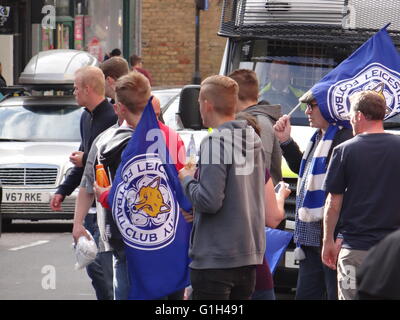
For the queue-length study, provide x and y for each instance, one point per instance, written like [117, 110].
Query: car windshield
[35, 123]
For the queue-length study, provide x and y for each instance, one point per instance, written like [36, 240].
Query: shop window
[92, 25]
[103, 27]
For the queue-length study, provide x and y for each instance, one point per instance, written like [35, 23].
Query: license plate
[25, 197]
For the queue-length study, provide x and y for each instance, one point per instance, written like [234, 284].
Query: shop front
[96, 26]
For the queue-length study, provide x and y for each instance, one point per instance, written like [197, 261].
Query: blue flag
[373, 66]
[277, 242]
[146, 200]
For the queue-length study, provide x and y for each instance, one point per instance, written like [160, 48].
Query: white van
[291, 45]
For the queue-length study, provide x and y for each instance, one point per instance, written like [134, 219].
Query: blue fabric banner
[373, 66]
[277, 242]
[146, 200]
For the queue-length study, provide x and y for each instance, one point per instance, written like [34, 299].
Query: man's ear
[123, 109]
[209, 105]
[110, 81]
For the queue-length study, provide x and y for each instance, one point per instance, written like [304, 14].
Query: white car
[38, 131]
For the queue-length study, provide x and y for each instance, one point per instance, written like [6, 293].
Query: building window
[103, 27]
[92, 25]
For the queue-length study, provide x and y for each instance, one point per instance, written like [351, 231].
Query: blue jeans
[121, 276]
[100, 270]
[315, 280]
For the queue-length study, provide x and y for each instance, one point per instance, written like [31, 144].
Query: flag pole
[294, 109]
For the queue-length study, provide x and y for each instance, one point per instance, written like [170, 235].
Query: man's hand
[329, 255]
[55, 202]
[99, 190]
[189, 217]
[184, 172]
[77, 158]
[282, 128]
[78, 231]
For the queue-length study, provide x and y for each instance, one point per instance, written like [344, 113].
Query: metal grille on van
[320, 21]
[28, 176]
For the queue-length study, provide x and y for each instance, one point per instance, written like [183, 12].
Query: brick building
[168, 40]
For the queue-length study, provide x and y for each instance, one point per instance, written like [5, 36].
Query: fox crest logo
[150, 199]
[375, 77]
[144, 206]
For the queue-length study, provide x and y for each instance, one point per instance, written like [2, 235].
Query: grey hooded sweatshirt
[266, 116]
[228, 200]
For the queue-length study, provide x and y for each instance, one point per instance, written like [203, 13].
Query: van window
[286, 70]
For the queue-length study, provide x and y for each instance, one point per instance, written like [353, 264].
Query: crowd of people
[341, 209]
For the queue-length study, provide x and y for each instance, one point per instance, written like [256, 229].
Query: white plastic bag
[85, 251]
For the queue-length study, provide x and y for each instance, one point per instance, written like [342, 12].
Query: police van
[291, 45]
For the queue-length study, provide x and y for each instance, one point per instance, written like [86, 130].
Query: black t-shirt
[366, 171]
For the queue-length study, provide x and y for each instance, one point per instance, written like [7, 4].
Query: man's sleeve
[335, 176]
[267, 138]
[89, 171]
[74, 178]
[292, 154]
[71, 182]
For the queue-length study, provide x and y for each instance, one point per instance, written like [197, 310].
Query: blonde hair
[133, 90]
[223, 92]
[92, 77]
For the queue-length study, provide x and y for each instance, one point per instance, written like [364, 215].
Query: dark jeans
[178, 295]
[101, 269]
[315, 280]
[223, 284]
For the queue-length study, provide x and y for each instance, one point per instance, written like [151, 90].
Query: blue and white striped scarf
[312, 208]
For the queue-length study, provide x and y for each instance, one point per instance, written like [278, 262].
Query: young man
[113, 69]
[228, 238]
[266, 116]
[315, 281]
[137, 65]
[361, 182]
[132, 95]
[89, 91]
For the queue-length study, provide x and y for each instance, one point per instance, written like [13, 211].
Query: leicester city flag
[373, 66]
[146, 200]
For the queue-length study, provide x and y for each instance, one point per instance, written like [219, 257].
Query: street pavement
[37, 263]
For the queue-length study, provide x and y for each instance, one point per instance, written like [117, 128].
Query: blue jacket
[92, 124]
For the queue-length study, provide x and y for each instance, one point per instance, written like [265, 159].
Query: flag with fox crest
[146, 199]
[373, 66]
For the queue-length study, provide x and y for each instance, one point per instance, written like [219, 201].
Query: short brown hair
[222, 91]
[134, 60]
[115, 67]
[370, 103]
[133, 90]
[248, 84]
[92, 77]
